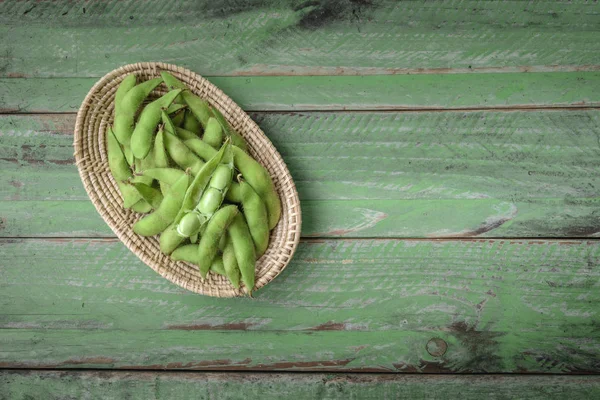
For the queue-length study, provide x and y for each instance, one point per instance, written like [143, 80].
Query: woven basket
[93, 118]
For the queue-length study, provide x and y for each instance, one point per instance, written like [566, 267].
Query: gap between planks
[374, 372]
[317, 239]
[370, 71]
[526, 108]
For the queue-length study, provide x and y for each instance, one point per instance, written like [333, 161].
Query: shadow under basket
[96, 115]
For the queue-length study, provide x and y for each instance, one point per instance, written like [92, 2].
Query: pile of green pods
[177, 160]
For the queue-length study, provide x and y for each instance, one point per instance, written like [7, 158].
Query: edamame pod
[167, 176]
[184, 134]
[244, 251]
[217, 266]
[213, 133]
[116, 159]
[140, 166]
[178, 118]
[141, 139]
[234, 194]
[191, 124]
[199, 108]
[128, 155]
[142, 206]
[219, 184]
[201, 148]
[130, 195]
[152, 196]
[181, 154]
[232, 271]
[159, 154]
[255, 213]
[170, 239]
[189, 253]
[128, 105]
[260, 180]
[174, 108]
[125, 86]
[209, 241]
[164, 215]
[236, 138]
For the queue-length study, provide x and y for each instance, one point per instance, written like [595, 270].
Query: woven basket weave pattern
[96, 114]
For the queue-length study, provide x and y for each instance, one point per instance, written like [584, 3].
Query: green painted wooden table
[447, 156]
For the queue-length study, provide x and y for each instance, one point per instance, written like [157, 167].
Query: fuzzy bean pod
[213, 133]
[141, 139]
[209, 241]
[255, 213]
[232, 271]
[128, 105]
[164, 215]
[260, 180]
[243, 248]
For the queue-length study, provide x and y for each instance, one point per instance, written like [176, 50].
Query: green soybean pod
[142, 206]
[194, 238]
[175, 108]
[181, 154]
[130, 195]
[232, 271]
[171, 81]
[184, 134]
[213, 133]
[159, 154]
[191, 124]
[217, 265]
[128, 105]
[125, 86]
[209, 241]
[255, 212]
[128, 155]
[260, 180]
[219, 183]
[116, 159]
[236, 138]
[170, 239]
[243, 248]
[140, 166]
[199, 108]
[201, 148]
[164, 215]
[178, 118]
[190, 224]
[153, 196]
[196, 189]
[187, 253]
[166, 176]
[234, 194]
[141, 139]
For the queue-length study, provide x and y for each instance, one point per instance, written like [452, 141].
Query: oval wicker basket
[93, 118]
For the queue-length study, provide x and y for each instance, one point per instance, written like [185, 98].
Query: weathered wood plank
[83, 39]
[417, 174]
[383, 92]
[55, 385]
[498, 306]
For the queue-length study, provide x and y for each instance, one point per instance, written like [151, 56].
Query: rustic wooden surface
[59, 385]
[447, 159]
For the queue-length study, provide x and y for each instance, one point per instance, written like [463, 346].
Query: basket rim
[92, 169]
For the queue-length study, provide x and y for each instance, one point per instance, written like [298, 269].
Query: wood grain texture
[405, 174]
[361, 305]
[380, 92]
[55, 385]
[83, 39]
